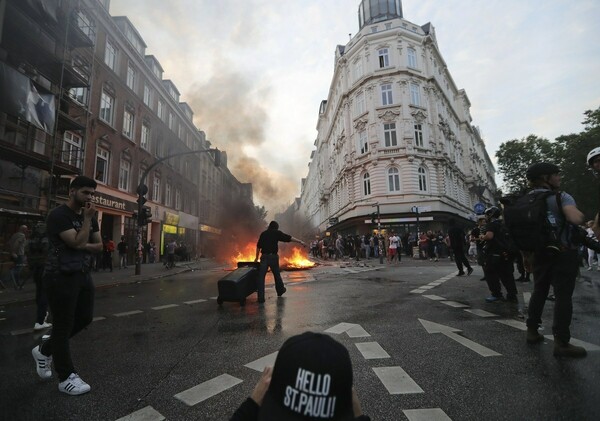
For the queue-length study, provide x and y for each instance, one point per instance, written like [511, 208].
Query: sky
[255, 71]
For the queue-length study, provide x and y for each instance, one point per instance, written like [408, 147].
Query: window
[360, 104]
[415, 94]
[128, 120]
[178, 199]
[422, 179]
[168, 197]
[107, 108]
[358, 70]
[124, 174]
[384, 58]
[419, 135]
[71, 149]
[412, 58]
[363, 144]
[161, 110]
[389, 134]
[102, 162]
[110, 55]
[171, 121]
[156, 189]
[147, 96]
[79, 95]
[366, 184]
[386, 94]
[394, 179]
[145, 138]
[131, 75]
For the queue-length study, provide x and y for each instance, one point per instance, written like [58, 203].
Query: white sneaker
[42, 326]
[74, 385]
[590, 268]
[43, 364]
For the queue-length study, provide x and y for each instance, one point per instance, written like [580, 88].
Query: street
[424, 346]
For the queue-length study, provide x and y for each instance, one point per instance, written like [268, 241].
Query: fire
[296, 260]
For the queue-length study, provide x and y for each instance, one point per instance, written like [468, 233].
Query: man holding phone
[73, 235]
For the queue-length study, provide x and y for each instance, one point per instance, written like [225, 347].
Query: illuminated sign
[171, 218]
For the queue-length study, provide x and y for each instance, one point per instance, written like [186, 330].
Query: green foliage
[569, 152]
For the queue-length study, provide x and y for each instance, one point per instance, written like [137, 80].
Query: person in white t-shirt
[393, 249]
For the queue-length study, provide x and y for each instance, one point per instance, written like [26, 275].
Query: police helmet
[592, 154]
[493, 212]
[539, 169]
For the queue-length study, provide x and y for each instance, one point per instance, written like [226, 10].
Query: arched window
[367, 184]
[422, 179]
[393, 180]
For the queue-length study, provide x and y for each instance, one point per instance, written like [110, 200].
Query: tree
[514, 156]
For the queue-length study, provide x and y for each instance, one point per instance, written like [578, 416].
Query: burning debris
[296, 259]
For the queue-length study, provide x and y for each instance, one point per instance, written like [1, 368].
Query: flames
[296, 259]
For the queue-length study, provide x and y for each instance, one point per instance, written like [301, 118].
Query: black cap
[312, 380]
[541, 168]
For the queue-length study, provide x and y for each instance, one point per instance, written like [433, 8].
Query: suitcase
[240, 283]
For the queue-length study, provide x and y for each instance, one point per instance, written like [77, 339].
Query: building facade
[101, 108]
[395, 134]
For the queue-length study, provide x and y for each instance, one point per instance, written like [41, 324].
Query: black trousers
[269, 261]
[40, 294]
[560, 271]
[460, 259]
[71, 299]
[500, 270]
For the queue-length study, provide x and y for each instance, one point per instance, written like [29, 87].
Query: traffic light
[145, 217]
[374, 218]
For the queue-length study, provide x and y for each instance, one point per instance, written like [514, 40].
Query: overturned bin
[240, 283]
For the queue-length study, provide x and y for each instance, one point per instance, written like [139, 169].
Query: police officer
[557, 268]
[499, 257]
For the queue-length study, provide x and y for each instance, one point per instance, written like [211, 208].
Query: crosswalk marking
[513, 323]
[194, 301]
[372, 350]
[397, 381]
[145, 414]
[429, 414]
[261, 363]
[434, 297]
[207, 389]
[98, 318]
[165, 307]
[481, 313]
[128, 313]
[455, 304]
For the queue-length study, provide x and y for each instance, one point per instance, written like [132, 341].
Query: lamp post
[378, 232]
[144, 214]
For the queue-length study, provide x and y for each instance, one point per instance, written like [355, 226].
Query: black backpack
[526, 219]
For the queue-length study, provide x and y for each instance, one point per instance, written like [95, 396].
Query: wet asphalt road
[151, 341]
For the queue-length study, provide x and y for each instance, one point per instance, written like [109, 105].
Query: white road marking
[145, 414]
[128, 313]
[481, 313]
[526, 298]
[397, 381]
[260, 364]
[430, 414]
[21, 332]
[434, 297]
[165, 307]
[577, 342]
[372, 350]
[450, 332]
[436, 283]
[352, 330]
[427, 286]
[207, 389]
[194, 302]
[513, 323]
[213, 298]
[455, 304]
[98, 318]
[418, 291]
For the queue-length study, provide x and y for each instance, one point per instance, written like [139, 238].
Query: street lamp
[378, 232]
[144, 213]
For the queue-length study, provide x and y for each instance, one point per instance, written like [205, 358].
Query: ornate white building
[394, 131]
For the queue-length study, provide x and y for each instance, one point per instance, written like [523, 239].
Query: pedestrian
[171, 248]
[591, 254]
[457, 243]
[73, 235]
[37, 250]
[476, 234]
[122, 249]
[339, 247]
[268, 247]
[393, 250]
[16, 246]
[499, 257]
[312, 379]
[108, 247]
[151, 251]
[556, 266]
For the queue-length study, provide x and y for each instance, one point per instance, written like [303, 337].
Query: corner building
[394, 131]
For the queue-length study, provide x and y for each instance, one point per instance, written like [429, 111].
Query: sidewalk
[101, 279]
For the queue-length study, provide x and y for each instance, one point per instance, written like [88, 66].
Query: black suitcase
[240, 283]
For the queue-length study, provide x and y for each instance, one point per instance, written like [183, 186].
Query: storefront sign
[107, 201]
[208, 228]
[169, 229]
[171, 218]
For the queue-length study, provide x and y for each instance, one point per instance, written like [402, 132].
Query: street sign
[420, 209]
[479, 208]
